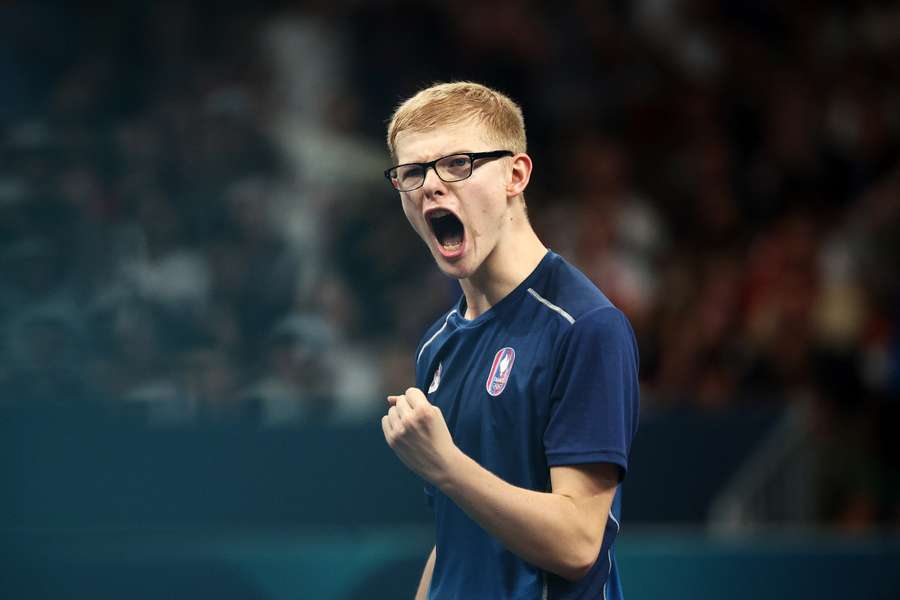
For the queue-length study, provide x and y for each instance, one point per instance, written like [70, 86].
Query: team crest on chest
[500, 370]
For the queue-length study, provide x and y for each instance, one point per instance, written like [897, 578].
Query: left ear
[520, 175]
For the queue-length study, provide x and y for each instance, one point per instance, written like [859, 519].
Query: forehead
[425, 145]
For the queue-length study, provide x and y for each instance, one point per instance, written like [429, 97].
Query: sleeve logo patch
[500, 370]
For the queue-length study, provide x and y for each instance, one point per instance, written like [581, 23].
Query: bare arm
[560, 531]
[425, 582]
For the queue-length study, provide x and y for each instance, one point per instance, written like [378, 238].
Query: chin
[456, 270]
[451, 270]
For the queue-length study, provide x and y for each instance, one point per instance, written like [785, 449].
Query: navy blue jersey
[546, 377]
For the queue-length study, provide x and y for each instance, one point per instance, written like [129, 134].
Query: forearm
[425, 582]
[559, 532]
[551, 531]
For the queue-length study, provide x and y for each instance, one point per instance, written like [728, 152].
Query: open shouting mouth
[448, 231]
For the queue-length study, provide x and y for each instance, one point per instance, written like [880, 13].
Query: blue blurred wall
[112, 510]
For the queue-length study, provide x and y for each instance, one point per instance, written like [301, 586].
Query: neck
[502, 271]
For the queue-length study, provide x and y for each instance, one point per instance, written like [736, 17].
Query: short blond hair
[453, 103]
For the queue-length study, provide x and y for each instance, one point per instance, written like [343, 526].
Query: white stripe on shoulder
[436, 333]
[611, 516]
[551, 306]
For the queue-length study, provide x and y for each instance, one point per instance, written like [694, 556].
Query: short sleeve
[595, 394]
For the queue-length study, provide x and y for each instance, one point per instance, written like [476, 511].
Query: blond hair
[454, 103]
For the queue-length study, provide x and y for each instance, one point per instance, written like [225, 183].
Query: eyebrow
[437, 157]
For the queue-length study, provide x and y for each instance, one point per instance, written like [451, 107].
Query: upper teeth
[438, 213]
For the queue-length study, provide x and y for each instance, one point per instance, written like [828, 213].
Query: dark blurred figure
[297, 380]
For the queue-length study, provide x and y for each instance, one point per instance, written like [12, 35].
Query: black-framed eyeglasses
[455, 167]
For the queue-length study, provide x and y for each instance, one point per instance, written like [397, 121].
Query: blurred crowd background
[194, 228]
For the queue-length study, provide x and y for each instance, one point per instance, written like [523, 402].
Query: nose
[433, 185]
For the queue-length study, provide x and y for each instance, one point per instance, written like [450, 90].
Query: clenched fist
[415, 429]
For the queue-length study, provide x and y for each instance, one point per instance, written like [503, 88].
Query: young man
[526, 397]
